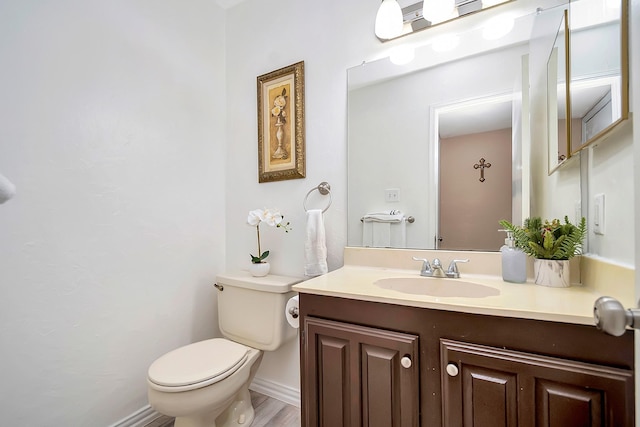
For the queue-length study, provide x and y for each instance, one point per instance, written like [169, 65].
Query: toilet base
[239, 413]
[191, 408]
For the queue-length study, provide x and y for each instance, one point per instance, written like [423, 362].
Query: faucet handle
[421, 259]
[453, 268]
[425, 264]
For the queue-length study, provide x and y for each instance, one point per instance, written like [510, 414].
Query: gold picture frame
[281, 148]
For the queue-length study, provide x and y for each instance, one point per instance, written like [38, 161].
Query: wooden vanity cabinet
[361, 376]
[465, 369]
[487, 386]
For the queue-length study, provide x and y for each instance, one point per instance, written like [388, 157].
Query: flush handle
[219, 287]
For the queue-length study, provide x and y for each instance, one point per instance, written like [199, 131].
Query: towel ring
[323, 188]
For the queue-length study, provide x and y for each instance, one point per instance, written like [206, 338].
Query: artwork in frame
[281, 150]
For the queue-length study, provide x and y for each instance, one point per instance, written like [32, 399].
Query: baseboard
[140, 418]
[276, 390]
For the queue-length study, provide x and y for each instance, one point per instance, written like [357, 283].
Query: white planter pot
[259, 270]
[552, 273]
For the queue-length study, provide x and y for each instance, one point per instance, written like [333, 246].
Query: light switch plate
[598, 214]
[392, 195]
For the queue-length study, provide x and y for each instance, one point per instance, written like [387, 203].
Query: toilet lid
[197, 365]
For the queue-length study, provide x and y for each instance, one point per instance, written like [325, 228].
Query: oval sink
[437, 287]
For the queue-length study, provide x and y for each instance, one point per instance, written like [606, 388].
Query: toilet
[206, 384]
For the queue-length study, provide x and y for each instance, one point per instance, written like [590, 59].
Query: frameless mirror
[400, 129]
[559, 133]
[599, 82]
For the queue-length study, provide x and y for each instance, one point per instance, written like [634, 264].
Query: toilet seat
[197, 365]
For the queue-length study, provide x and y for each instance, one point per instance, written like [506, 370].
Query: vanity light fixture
[418, 15]
[389, 20]
[436, 11]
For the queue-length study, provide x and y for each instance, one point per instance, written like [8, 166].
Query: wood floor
[269, 413]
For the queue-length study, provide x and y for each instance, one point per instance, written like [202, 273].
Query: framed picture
[281, 151]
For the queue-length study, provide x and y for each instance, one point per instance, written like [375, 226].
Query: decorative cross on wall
[482, 165]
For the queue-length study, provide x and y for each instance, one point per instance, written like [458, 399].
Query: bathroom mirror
[559, 134]
[396, 124]
[599, 59]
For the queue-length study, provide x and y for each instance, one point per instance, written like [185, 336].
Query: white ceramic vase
[259, 270]
[552, 273]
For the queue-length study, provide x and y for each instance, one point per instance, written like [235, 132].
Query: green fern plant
[548, 240]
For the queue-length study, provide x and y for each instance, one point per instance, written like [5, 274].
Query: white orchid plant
[271, 217]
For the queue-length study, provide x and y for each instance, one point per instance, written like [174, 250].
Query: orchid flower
[271, 217]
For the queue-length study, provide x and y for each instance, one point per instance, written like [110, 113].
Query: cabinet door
[491, 387]
[359, 376]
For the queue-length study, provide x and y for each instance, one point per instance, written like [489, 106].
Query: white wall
[112, 125]
[264, 35]
[611, 170]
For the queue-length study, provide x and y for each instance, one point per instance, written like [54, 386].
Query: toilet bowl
[206, 384]
[184, 386]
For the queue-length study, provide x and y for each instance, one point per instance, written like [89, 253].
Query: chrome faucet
[435, 269]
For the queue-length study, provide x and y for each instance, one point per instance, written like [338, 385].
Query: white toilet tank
[251, 310]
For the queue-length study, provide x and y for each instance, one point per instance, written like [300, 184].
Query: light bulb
[436, 11]
[389, 20]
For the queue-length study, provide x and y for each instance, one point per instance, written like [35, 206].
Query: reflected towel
[384, 230]
[391, 216]
[315, 247]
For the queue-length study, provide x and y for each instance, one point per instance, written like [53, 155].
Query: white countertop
[521, 300]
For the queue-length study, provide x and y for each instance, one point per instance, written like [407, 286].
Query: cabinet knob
[406, 362]
[452, 370]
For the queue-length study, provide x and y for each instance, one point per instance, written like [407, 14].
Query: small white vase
[259, 270]
[552, 273]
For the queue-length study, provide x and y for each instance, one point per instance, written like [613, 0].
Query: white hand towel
[384, 229]
[367, 234]
[315, 247]
[381, 234]
[398, 234]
